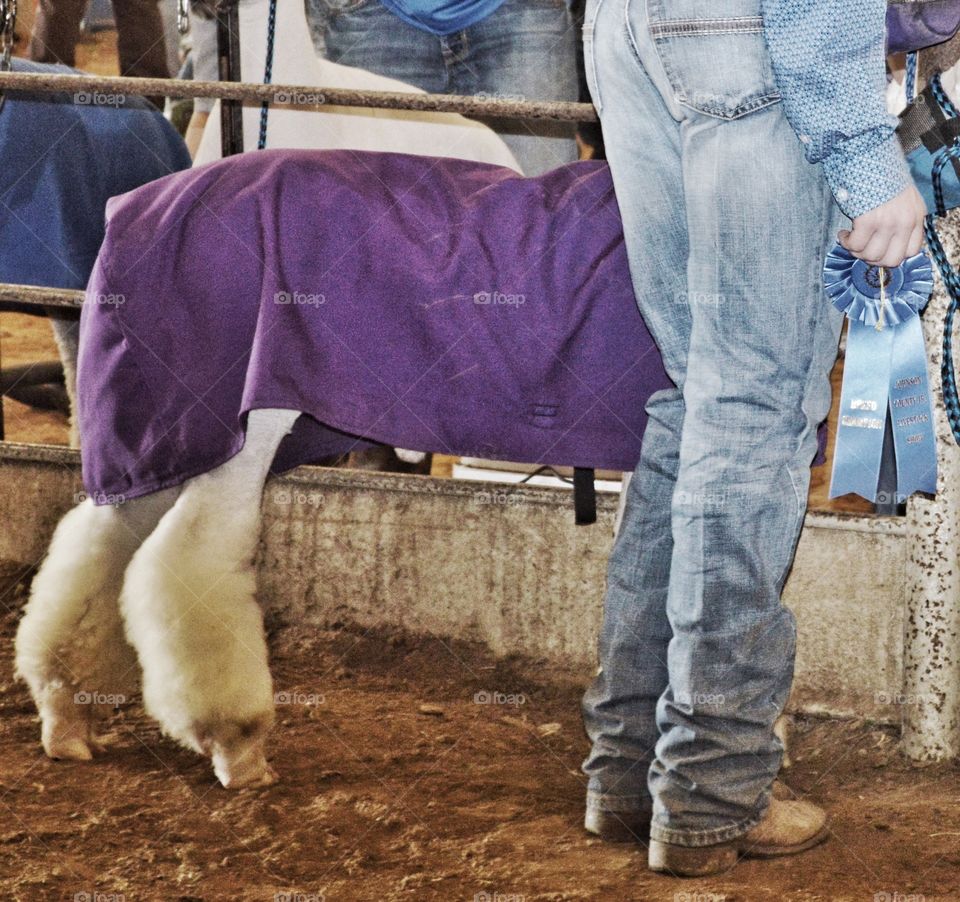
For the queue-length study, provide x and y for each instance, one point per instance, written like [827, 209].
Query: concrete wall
[507, 566]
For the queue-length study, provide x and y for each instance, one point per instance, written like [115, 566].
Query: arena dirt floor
[403, 776]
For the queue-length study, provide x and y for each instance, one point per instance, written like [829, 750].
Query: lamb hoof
[247, 778]
[70, 749]
[247, 769]
[65, 737]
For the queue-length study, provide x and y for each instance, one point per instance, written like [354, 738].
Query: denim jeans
[525, 50]
[726, 228]
[140, 37]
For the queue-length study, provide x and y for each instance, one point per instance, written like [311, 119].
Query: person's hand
[888, 234]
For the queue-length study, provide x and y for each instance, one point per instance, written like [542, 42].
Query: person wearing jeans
[741, 135]
[140, 40]
[506, 49]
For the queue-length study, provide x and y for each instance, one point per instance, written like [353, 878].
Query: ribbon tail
[911, 413]
[863, 410]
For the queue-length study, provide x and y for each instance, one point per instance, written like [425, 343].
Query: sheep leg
[66, 333]
[70, 646]
[190, 609]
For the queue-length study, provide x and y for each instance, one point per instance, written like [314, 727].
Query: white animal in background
[319, 127]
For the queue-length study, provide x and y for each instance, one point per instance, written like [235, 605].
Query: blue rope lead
[951, 280]
[268, 73]
[910, 80]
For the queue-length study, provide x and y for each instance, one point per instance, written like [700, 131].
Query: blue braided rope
[910, 80]
[948, 379]
[944, 156]
[951, 280]
[268, 73]
[946, 104]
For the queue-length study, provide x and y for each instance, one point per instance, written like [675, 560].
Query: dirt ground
[378, 800]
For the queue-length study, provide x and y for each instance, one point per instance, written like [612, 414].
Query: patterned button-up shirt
[828, 57]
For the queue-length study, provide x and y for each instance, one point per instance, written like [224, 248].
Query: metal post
[228, 53]
[930, 701]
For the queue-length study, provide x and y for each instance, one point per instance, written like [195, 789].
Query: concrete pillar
[930, 699]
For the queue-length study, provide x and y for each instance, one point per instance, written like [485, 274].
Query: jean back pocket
[717, 64]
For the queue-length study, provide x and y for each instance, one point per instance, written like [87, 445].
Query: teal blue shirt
[829, 61]
[442, 17]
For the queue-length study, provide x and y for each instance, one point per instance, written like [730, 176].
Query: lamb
[73, 642]
[154, 571]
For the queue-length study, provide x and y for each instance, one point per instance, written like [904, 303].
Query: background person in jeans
[140, 42]
[512, 49]
[739, 133]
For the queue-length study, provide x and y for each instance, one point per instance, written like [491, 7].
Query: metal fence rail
[116, 87]
[32, 295]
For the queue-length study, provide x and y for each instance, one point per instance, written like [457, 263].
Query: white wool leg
[189, 605]
[70, 646]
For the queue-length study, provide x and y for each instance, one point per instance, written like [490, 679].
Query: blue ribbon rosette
[885, 372]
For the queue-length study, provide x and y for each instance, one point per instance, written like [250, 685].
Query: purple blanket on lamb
[434, 304]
